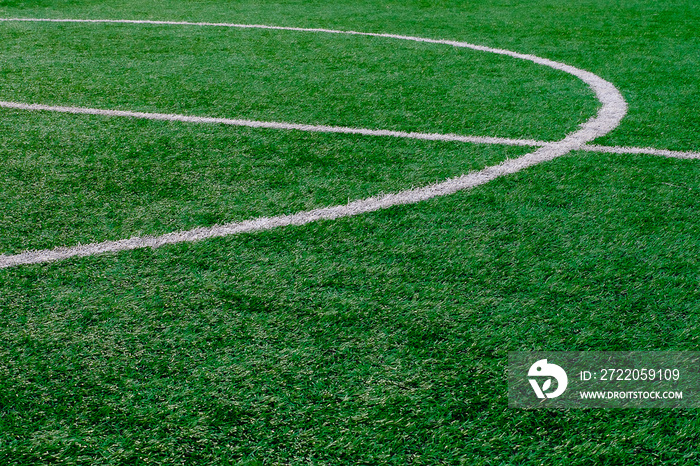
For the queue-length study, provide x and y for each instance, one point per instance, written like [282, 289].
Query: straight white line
[273, 125]
[343, 129]
[641, 150]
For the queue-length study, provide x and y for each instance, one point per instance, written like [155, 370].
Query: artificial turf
[377, 339]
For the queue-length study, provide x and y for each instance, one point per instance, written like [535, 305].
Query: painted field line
[641, 150]
[609, 115]
[273, 125]
[451, 186]
[342, 129]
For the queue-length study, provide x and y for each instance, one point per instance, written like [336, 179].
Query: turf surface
[378, 339]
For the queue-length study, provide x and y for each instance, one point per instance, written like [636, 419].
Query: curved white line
[609, 116]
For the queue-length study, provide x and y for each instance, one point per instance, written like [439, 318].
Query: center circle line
[609, 115]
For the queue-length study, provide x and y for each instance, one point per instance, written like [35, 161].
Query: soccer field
[305, 232]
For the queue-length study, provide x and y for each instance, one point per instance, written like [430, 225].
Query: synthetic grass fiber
[377, 339]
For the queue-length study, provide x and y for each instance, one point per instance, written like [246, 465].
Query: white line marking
[274, 125]
[609, 116]
[641, 150]
[342, 129]
[371, 204]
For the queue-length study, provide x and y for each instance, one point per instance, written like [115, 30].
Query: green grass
[378, 339]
